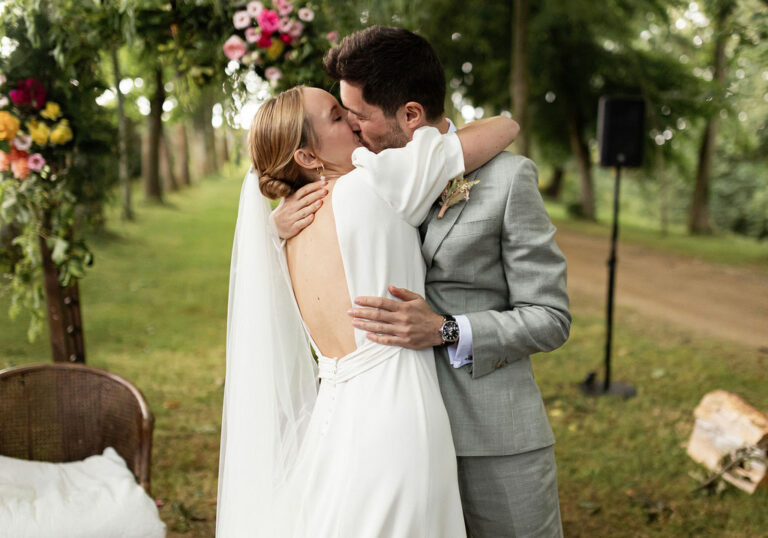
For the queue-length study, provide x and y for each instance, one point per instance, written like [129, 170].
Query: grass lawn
[155, 312]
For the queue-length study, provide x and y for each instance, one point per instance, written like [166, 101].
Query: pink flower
[22, 141]
[5, 161]
[285, 25]
[35, 162]
[2, 79]
[333, 37]
[295, 29]
[273, 73]
[252, 34]
[306, 14]
[254, 8]
[283, 6]
[264, 41]
[234, 47]
[268, 20]
[241, 20]
[286, 38]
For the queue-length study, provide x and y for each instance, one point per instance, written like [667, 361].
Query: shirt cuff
[460, 353]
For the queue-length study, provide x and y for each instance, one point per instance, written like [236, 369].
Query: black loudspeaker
[620, 131]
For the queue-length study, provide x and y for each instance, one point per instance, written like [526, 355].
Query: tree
[699, 216]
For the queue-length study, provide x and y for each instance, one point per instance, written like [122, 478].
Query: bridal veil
[270, 385]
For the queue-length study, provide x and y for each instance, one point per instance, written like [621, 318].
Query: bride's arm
[483, 139]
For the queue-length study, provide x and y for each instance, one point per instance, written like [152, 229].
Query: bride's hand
[297, 211]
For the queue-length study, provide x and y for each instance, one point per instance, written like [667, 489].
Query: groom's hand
[408, 322]
[297, 211]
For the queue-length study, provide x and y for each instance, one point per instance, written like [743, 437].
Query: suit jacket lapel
[437, 229]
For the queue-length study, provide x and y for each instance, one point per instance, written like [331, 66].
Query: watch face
[450, 332]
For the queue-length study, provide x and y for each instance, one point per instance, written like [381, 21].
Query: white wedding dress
[372, 456]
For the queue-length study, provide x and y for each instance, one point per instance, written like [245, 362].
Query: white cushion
[97, 497]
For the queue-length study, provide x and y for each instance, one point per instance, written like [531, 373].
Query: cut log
[726, 426]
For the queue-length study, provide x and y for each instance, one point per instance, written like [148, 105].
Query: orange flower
[20, 168]
[5, 161]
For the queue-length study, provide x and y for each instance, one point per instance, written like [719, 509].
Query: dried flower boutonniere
[456, 191]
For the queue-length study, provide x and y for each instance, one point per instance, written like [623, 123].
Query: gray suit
[494, 259]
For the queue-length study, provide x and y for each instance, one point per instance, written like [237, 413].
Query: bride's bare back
[319, 282]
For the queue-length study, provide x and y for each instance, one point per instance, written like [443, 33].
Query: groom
[494, 275]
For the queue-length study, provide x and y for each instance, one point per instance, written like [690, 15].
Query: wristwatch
[449, 331]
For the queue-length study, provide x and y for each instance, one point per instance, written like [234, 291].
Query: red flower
[264, 41]
[286, 38]
[29, 92]
[20, 96]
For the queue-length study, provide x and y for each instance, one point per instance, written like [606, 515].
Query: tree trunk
[581, 152]
[698, 222]
[122, 140]
[64, 314]
[204, 127]
[182, 150]
[223, 145]
[153, 189]
[555, 187]
[166, 162]
[520, 85]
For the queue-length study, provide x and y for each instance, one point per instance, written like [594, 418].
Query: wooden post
[64, 314]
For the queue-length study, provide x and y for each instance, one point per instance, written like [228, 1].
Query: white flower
[254, 8]
[241, 20]
[22, 141]
[273, 73]
[306, 14]
[3, 101]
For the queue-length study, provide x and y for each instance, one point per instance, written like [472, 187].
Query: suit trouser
[510, 496]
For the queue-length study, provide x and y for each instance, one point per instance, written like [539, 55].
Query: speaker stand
[590, 386]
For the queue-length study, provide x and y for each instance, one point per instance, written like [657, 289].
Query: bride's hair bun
[274, 188]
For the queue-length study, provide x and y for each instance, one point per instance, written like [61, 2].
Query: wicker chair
[66, 412]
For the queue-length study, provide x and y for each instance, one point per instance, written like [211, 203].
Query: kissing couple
[420, 416]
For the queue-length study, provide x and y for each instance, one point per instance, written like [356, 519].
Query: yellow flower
[61, 134]
[39, 132]
[9, 124]
[275, 49]
[52, 111]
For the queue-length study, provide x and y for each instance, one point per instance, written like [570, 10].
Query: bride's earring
[321, 170]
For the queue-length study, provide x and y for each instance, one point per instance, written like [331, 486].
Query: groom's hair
[392, 66]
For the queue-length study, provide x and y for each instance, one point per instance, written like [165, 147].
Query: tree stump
[726, 427]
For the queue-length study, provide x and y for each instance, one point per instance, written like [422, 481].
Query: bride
[368, 453]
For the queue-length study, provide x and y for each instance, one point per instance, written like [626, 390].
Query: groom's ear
[306, 159]
[413, 115]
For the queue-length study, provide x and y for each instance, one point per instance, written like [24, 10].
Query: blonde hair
[280, 127]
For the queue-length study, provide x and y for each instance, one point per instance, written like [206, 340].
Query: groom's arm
[535, 271]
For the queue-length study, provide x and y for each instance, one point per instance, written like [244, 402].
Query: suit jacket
[494, 259]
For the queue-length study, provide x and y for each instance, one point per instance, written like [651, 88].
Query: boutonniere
[456, 191]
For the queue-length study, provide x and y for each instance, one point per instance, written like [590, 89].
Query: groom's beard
[394, 137]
